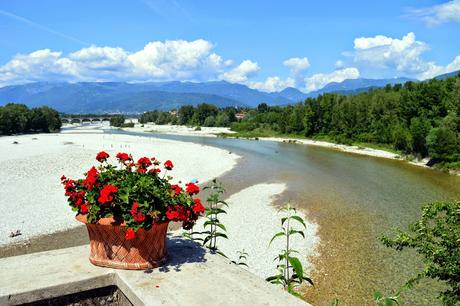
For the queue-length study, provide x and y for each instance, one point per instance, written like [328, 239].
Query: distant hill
[448, 75]
[134, 97]
[94, 97]
[104, 97]
[355, 86]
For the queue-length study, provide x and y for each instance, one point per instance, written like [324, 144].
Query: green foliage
[379, 300]
[17, 118]
[403, 117]
[202, 115]
[436, 237]
[290, 269]
[117, 121]
[213, 228]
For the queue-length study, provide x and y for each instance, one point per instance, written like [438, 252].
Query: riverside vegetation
[18, 118]
[418, 119]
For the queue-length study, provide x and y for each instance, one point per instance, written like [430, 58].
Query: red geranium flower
[137, 215]
[122, 157]
[130, 234]
[177, 189]
[177, 213]
[192, 188]
[91, 178]
[102, 156]
[106, 194]
[154, 170]
[198, 208]
[63, 178]
[169, 165]
[84, 208]
[144, 162]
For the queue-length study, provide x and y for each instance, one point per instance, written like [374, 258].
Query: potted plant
[127, 209]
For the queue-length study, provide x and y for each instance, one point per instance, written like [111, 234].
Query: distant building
[240, 116]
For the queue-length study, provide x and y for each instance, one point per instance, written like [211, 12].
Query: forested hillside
[421, 119]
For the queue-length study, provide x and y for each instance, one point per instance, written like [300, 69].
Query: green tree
[442, 143]
[14, 118]
[436, 238]
[185, 114]
[419, 129]
[117, 121]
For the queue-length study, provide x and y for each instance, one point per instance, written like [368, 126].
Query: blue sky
[267, 45]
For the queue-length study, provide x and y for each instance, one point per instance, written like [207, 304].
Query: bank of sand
[252, 220]
[31, 197]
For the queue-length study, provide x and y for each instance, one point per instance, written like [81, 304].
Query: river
[354, 199]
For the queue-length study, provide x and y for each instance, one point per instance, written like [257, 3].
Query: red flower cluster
[91, 178]
[106, 194]
[192, 188]
[177, 189]
[168, 165]
[162, 202]
[198, 208]
[143, 163]
[137, 215]
[130, 234]
[177, 213]
[102, 156]
[123, 157]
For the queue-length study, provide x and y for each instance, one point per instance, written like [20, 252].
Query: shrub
[436, 238]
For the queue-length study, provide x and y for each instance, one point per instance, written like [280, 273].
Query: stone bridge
[82, 120]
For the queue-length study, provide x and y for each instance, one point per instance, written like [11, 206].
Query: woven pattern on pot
[109, 248]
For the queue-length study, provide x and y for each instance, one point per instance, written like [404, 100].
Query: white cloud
[438, 14]
[435, 70]
[319, 80]
[385, 53]
[339, 64]
[241, 73]
[393, 56]
[297, 64]
[168, 60]
[273, 83]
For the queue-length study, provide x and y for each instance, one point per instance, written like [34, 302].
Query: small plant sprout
[381, 300]
[290, 269]
[213, 228]
[242, 257]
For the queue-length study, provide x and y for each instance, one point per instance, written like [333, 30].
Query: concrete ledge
[190, 277]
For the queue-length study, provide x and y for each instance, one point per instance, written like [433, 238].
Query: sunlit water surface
[354, 199]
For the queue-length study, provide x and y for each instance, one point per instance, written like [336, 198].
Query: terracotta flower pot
[109, 248]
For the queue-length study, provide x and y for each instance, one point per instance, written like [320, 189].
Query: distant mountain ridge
[121, 97]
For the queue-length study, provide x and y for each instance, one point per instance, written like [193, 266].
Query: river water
[354, 199]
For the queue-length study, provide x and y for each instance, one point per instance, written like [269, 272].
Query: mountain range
[120, 97]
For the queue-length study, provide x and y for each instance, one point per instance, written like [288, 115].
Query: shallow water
[354, 199]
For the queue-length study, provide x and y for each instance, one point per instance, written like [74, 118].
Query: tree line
[417, 118]
[18, 118]
[202, 115]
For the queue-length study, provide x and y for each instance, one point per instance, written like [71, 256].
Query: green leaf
[293, 231]
[377, 295]
[283, 220]
[277, 235]
[299, 219]
[292, 291]
[297, 266]
[220, 235]
[221, 226]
